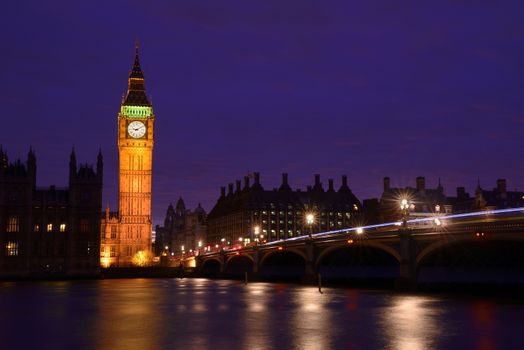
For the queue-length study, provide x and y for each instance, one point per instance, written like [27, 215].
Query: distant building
[431, 201]
[423, 200]
[183, 229]
[498, 198]
[279, 213]
[49, 231]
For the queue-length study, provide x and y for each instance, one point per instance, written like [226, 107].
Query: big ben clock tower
[135, 150]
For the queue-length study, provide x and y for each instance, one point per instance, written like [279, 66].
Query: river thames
[218, 314]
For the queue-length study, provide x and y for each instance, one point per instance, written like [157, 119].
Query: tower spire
[136, 71]
[136, 88]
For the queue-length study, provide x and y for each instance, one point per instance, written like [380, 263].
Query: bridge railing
[432, 221]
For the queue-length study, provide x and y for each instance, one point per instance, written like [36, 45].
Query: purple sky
[369, 90]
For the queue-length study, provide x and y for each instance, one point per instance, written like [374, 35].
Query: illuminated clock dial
[136, 129]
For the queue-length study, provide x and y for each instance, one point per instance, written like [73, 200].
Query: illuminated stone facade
[184, 230]
[129, 231]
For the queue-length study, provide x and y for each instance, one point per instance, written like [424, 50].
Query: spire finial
[136, 43]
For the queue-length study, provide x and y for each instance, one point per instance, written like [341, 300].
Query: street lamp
[405, 205]
[310, 220]
[256, 231]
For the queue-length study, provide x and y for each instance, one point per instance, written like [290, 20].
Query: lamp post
[310, 220]
[256, 231]
[404, 207]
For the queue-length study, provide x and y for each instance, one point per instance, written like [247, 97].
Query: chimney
[317, 180]
[246, 182]
[387, 184]
[344, 180]
[330, 185]
[284, 179]
[222, 191]
[238, 185]
[230, 189]
[501, 186]
[461, 192]
[257, 178]
[421, 183]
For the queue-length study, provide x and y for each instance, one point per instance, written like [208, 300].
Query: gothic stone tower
[135, 149]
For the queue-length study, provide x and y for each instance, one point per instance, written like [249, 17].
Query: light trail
[399, 223]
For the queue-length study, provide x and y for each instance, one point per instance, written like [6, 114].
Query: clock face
[136, 129]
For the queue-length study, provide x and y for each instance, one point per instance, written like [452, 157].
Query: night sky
[367, 89]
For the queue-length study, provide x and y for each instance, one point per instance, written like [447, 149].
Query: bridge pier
[310, 275]
[408, 272]
[253, 276]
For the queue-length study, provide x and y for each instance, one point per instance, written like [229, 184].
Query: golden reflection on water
[121, 324]
[255, 336]
[410, 323]
[311, 320]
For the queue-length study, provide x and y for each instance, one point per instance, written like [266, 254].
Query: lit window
[11, 249]
[62, 227]
[113, 251]
[36, 228]
[113, 232]
[49, 227]
[13, 224]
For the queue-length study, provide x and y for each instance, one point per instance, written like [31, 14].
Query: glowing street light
[405, 206]
[256, 231]
[310, 220]
[360, 230]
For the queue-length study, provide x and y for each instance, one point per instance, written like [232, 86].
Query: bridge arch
[371, 244]
[359, 262]
[471, 259]
[211, 267]
[238, 264]
[272, 252]
[471, 238]
[241, 255]
[286, 264]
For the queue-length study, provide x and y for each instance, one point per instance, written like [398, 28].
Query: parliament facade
[49, 231]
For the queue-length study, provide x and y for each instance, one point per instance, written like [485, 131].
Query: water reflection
[256, 317]
[411, 322]
[205, 314]
[311, 320]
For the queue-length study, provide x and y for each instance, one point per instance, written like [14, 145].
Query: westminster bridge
[471, 246]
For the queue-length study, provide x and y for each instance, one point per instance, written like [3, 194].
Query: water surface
[208, 314]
